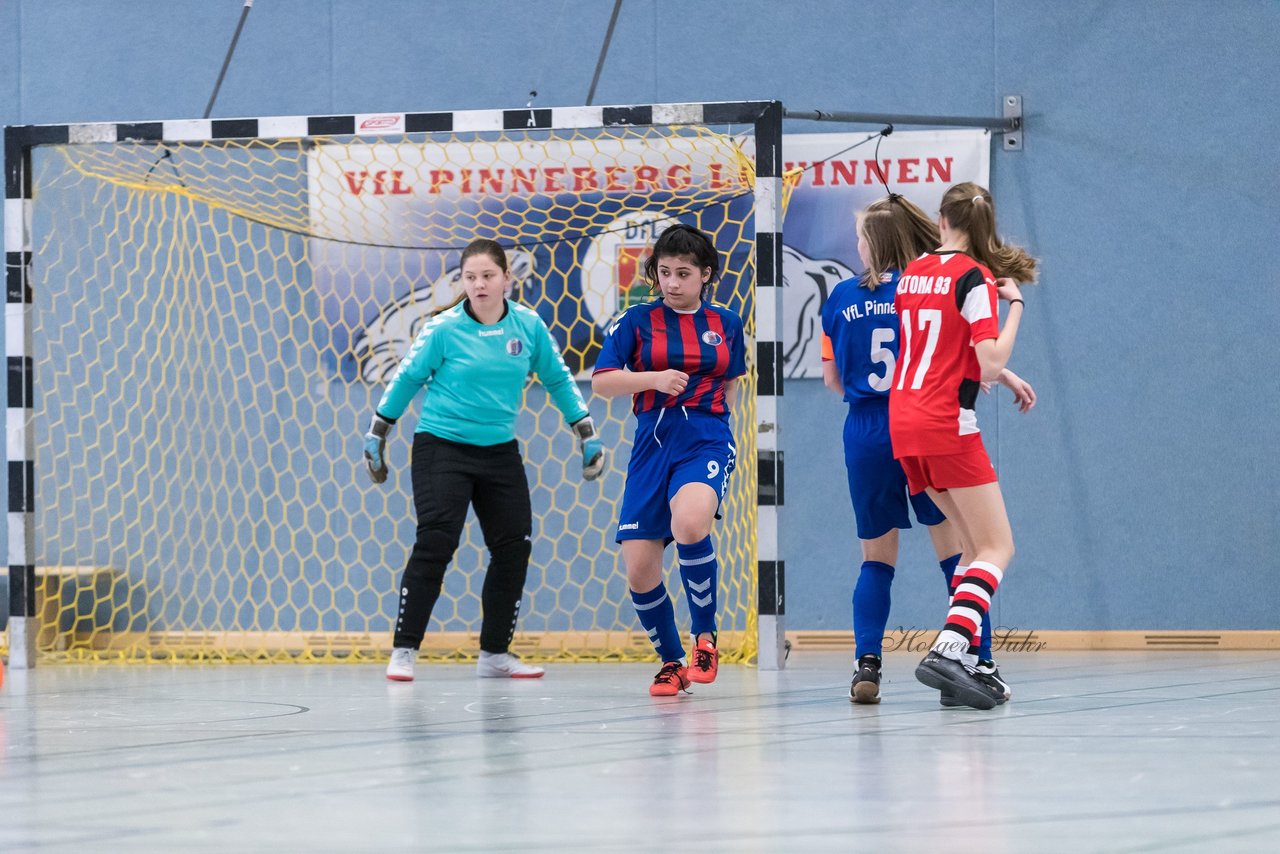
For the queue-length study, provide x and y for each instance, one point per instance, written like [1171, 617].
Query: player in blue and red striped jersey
[679, 357]
[860, 349]
[951, 342]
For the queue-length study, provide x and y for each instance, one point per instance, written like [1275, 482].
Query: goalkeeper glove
[592, 448]
[375, 448]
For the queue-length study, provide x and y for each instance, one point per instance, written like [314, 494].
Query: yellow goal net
[213, 321]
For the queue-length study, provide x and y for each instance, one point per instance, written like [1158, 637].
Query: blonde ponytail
[969, 210]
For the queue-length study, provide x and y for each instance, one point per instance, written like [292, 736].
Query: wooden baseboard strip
[1027, 640]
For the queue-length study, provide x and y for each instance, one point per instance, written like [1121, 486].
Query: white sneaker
[401, 667]
[503, 665]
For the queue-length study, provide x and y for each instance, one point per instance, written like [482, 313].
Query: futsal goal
[201, 315]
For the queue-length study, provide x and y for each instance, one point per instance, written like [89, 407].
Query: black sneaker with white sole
[988, 673]
[950, 676]
[865, 688]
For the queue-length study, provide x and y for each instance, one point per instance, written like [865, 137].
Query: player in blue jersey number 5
[679, 357]
[474, 359]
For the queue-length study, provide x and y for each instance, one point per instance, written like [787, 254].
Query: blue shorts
[672, 447]
[877, 483]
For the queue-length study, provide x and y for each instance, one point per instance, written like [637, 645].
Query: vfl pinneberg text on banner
[578, 217]
[820, 243]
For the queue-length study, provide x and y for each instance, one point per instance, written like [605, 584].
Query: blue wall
[1144, 489]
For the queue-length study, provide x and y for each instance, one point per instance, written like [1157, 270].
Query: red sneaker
[671, 680]
[706, 662]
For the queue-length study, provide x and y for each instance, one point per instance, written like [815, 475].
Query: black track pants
[447, 477]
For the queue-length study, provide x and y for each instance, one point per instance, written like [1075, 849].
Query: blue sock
[984, 646]
[698, 572]
[871, 607]
[659, 619]
[983, 650]
[948, 570]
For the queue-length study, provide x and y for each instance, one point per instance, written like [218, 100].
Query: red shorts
[949, 471]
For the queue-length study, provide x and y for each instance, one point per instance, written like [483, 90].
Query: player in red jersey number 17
[951, 343]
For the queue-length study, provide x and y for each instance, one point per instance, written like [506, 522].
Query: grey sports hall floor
[1115, 752]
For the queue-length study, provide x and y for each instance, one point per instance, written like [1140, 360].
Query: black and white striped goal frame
[765, 117]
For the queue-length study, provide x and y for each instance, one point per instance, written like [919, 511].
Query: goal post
[200, 315]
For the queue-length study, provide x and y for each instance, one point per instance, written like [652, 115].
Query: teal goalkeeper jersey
[475, 375]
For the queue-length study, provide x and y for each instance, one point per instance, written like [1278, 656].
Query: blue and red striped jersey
[707, 344]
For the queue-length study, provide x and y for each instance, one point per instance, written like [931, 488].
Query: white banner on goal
[396, 214]
[820, 242]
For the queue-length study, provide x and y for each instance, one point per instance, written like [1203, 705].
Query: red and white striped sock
[971, 654]
[948, 643]
[971, 599]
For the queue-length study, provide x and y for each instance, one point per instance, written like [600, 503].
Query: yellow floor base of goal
[335, 647]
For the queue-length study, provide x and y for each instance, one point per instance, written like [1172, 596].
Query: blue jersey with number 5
[862, 328]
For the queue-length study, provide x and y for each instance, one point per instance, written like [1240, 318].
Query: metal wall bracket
[1009, 126]
[1013, 114]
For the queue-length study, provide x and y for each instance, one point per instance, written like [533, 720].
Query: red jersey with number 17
[946, 303]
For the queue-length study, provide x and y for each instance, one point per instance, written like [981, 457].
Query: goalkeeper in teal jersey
[474, 359]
